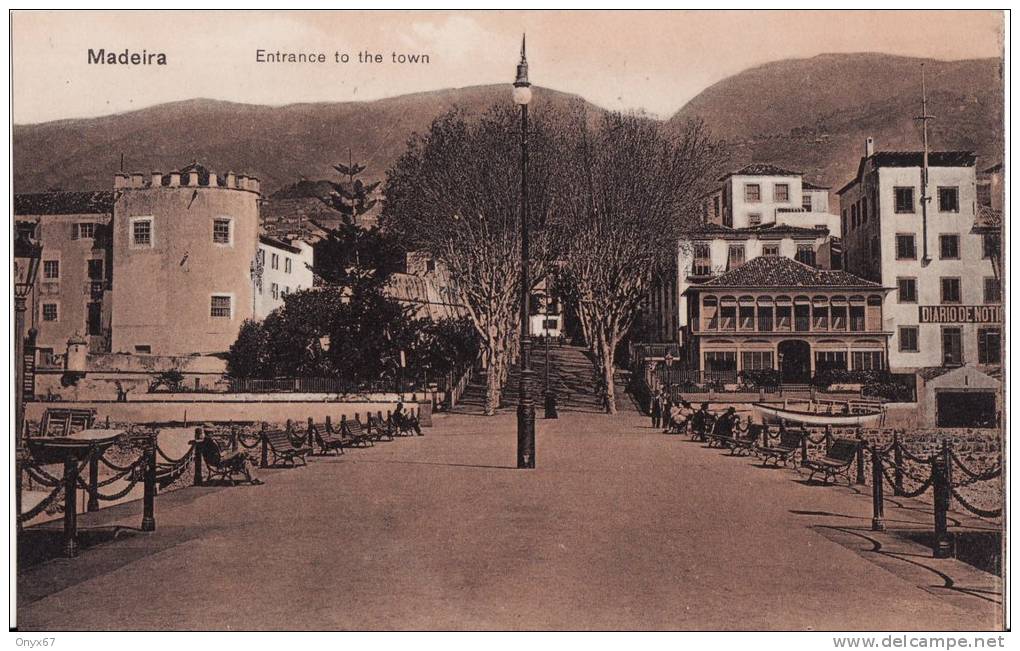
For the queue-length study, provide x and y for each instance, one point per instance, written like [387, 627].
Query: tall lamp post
[525, 405]
[26, 265]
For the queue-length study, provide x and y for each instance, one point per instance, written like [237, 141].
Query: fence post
[877, 489]
[197, 453]
[329, 424]
[149, 497]
[898, 460]
[93, 503]
[803, 445]
[70, 506]
[860, 461]
[828, 438]
[264, 461]
[942, 546]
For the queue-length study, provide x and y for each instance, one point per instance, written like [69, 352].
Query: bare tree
[630, 188]
[455, 192]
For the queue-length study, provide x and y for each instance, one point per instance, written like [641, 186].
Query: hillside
[278, 144]
[812, 115]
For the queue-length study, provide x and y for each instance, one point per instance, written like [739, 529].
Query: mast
[924, 117]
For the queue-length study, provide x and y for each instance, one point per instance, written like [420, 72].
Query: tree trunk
[493, 380]
[608, 354]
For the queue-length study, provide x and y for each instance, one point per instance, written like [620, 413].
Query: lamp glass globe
[522, 95]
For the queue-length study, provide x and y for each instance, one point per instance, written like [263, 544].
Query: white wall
[299, 277]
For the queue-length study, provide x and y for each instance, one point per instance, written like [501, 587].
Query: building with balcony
[944, 262]
[280, 268]
[775, 312]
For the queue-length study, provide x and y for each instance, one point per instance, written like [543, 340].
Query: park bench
[355, 433]
[63, 422]
[701, 433]
[786, 449]
[406, 424]
[282, 449]
[326, 439]
[837, 460]
[220, 465]
[380, 428]
[748, 443]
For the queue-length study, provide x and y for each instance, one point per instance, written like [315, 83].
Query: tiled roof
[278, 243]
[762, 230]
[987, 219]
[807, 185]
[64, 203]
[760, 169]
[913, 159]
[779, 271]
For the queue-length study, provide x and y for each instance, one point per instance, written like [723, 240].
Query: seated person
[239, 460]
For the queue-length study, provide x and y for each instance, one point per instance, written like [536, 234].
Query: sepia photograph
[476, 320]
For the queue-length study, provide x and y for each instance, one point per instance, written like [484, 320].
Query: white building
[280, 268]
[946, 309]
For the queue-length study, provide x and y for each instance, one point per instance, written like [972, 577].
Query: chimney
[869, 147]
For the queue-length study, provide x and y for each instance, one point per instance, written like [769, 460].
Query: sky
[649, 60]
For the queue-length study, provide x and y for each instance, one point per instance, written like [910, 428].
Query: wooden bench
[748, 443]
[786, 449]
[326, 439]
[380, 428]
[837, 460]
[701, 433]
[282, 449]
[63, 422]
[220, 465]
[355, 433]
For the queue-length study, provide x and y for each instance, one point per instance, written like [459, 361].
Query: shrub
[759, 378]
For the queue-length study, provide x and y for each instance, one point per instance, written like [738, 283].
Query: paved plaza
[619, 527]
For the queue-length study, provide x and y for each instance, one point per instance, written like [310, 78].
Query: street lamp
[525, 405]
[27, 254]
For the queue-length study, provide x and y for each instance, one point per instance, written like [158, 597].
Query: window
[721, 361]
[143, 349]
[752, 192]
[702, 260]
[752, 360]
[94, 318]
[141, 232]
[904, 199]
[275, 290]
[854, 222]
[993, 290]
[715, 206]
[905, 249]
[430, 266]
[843, 222]
[95, 269]
[989, 346]
[221, 231]
[805, 202]
[950, 290]
[286, 265]
[828, 360]
[984, 194]
[990, 245]
[868, 360]
[949, 247]
[220, 307]
[906, 290]
[49, 312]
[736, 255]
[85, 231]
[274, 261]
[754, 219]
[51, 269]
[770, 249]
[286, 290]
[864, 210]
[949, 199]
[952, 347]
[908, 339]
[806, 254]
[781, 192]
[875, 247]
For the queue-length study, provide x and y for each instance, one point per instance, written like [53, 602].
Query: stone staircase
[571, 377]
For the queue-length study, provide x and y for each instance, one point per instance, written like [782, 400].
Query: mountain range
[810, 115]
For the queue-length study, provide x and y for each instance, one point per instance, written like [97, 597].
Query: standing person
[656, 409]
[667, 407]
[699, 421]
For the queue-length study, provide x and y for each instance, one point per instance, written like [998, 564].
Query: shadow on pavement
[438, 463]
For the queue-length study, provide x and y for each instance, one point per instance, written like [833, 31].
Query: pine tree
[352, 198]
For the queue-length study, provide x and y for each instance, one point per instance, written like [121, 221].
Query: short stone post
[942, 545]
[149, 496]
[898, 460]
[860, 461]
[196, 446]
[93, 502]
[70, 506]
[803, 445]
[311, 432]
[828, 438]
[329, 424]
[877, 496]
